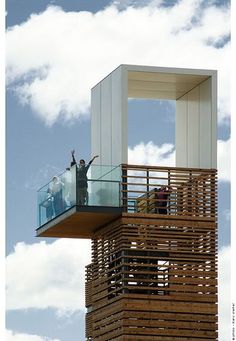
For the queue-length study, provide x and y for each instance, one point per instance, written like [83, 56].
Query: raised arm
[93, 159]
[73, 162]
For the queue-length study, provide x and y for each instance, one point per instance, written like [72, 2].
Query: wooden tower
[153, 274]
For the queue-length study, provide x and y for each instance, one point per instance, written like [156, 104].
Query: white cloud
[14, 336]
[164, 155]
[223, 154]
[55, 57]
[47, 275]
[224, 305]
[151, 154]
[41, 176]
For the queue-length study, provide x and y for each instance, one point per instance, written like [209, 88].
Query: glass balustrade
[137, 189]
[101, 188]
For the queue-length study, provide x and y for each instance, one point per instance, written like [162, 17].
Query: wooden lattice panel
[153, 279]
[192, 191]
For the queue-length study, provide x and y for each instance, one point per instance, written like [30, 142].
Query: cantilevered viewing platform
[161, 192]
[60, 212]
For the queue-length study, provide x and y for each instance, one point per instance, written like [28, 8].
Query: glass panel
[110, 173]
[57, 196]
[103, 193]
[99, 186]
[104, 185]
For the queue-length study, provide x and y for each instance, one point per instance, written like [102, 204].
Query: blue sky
[54, 55]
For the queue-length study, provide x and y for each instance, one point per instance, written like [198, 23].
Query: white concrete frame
[195, 92]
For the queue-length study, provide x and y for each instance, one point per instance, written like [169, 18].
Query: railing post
[124, 188]
[190, 194]
[76, 185]
[148, 203]
[169, 186]
[39, 214]
[213, 194]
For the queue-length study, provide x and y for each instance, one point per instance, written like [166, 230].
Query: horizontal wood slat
[153, 279]
[190, 191]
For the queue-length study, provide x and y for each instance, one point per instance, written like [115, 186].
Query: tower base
[153, 277]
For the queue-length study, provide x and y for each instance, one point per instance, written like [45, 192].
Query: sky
[56, 51]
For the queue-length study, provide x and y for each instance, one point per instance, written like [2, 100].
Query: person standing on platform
[55, 189]
[162, 199]
[82, 180]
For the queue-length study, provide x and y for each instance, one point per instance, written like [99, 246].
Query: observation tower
[153, 274]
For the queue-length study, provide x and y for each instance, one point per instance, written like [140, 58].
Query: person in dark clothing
[162, 199]
[82, 180]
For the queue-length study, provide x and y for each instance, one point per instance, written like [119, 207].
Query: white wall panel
[181, 127]
[205, 124]
[124, 112]
[106, 143]
[109, 107]
[119, 130]
[193, 128]
[214, 120]
[96, 122]
[196, 127]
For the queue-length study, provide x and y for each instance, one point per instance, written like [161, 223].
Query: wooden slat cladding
[88, 285]
[153, 278]
[192, 191]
